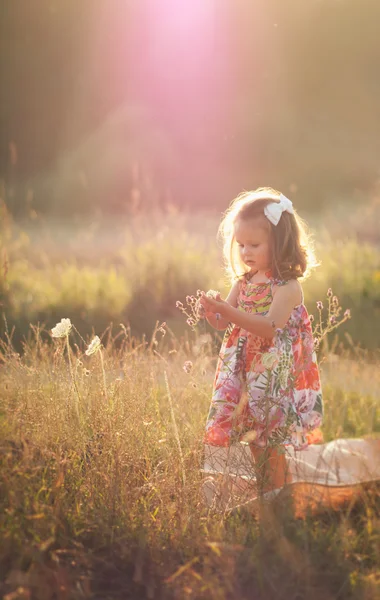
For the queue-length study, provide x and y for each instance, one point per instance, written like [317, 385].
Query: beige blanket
[323, 475]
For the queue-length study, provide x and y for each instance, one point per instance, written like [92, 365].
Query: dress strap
[281, 282]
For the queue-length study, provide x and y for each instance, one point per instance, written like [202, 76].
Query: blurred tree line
[127, 104]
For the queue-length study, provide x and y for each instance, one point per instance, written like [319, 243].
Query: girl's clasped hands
[210, 303]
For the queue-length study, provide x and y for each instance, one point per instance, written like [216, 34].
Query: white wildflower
[62, 329]
[212, 294]
[94, 346]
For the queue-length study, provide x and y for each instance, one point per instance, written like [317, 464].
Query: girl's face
[253, 239]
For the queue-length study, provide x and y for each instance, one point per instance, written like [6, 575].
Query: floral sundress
[266, 391]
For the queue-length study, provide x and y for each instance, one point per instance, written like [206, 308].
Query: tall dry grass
[100, 485]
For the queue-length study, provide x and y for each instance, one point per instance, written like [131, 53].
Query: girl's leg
[271, 469]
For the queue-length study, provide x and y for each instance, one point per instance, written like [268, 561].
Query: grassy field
[100, 481]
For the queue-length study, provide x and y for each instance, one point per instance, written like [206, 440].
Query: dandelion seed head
[204, 339]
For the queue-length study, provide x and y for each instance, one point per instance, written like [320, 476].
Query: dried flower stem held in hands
[193, 310]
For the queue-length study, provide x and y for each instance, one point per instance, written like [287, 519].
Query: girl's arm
[231, 300]
[285, 299]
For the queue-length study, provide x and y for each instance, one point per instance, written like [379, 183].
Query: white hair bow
[274, 210]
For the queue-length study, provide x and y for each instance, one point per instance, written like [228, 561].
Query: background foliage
[132, 271]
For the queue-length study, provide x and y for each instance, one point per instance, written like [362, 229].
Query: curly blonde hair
[291, 247]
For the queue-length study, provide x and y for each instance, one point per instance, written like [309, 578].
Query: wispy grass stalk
[175, 428]
[78, 400]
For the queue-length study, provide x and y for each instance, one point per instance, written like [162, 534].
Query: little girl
[267, 388]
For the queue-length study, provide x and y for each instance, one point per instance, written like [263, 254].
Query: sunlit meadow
[102, 417]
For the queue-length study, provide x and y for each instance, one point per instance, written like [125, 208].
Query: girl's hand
[212, 304]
